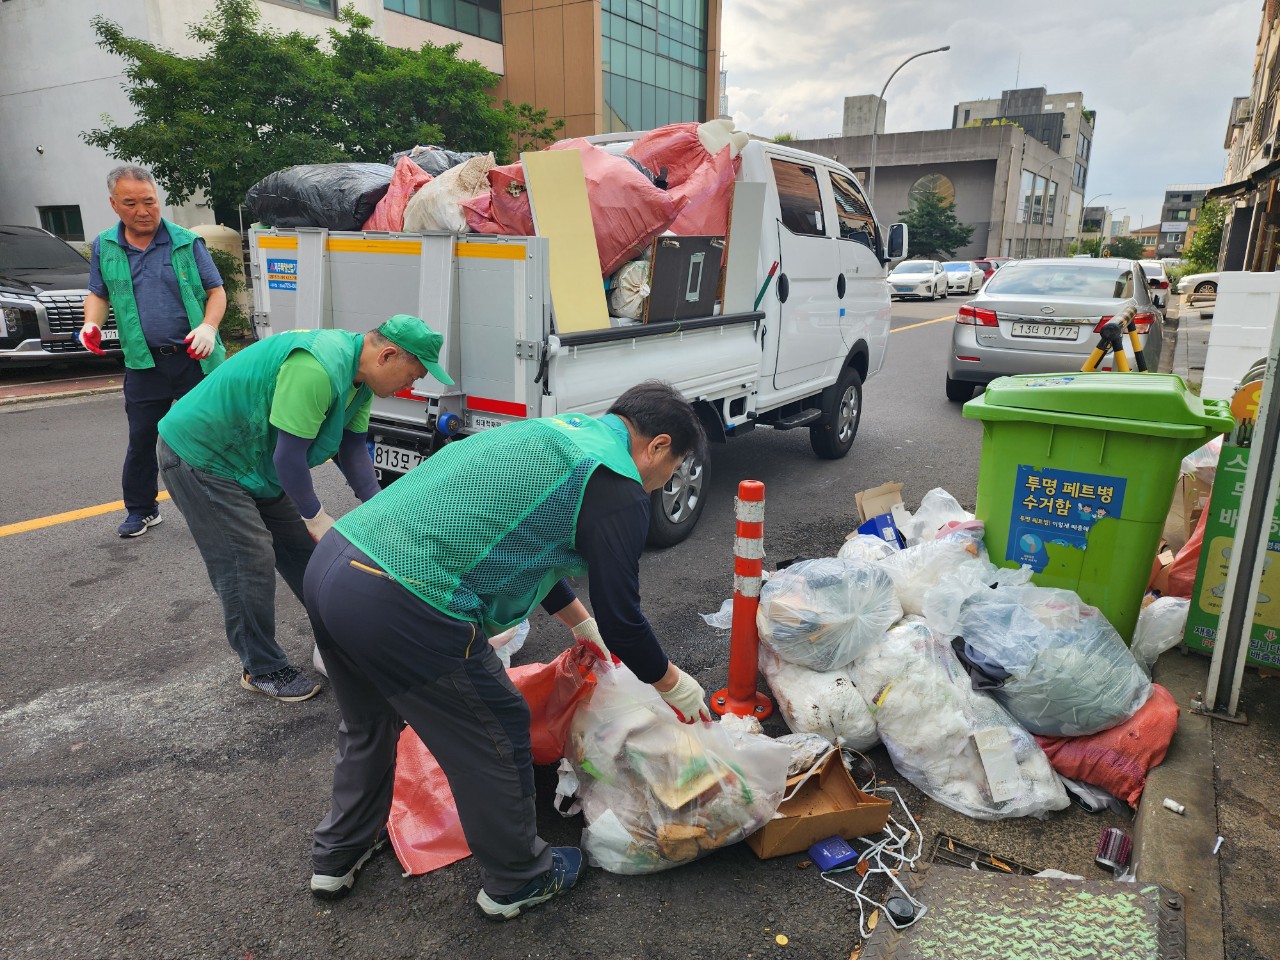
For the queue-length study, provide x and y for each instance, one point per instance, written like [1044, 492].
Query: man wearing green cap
[236, 454]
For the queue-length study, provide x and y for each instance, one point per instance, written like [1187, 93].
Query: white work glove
[687, 699]
[587, 633]
[318, 525]
[90, 337]
[200, 343]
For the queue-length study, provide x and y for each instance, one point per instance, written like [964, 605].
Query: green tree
[783, 137]
[1130, 247]
[1202, 253]
[257, 100]
[933, 228]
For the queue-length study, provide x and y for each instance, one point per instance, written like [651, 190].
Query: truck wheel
[674, 510]
[832, 438]
[958, 391]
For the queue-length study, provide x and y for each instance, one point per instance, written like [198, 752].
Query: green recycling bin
[1078, 471]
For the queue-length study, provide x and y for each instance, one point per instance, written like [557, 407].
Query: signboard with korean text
[1215, 558]
[1058, 507]
[282, 274]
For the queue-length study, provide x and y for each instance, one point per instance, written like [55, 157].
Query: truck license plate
[395, 458]
[1044, 331]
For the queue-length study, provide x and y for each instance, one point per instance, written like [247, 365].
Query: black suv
[43, 283]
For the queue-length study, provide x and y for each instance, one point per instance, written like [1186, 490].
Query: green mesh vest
[223, 425]
[486, 527]
[113, 263]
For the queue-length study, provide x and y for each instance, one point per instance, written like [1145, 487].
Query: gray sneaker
[332, 886]
[288, 684]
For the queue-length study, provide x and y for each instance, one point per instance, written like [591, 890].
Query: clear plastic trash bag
[825, 703]
[657, 793]
[863, 546]
[823, 613]
[927, 713]
[1161, 625]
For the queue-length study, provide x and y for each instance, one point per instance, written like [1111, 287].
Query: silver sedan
[1043, 316]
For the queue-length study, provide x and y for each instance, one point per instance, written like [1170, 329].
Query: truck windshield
[34, 251]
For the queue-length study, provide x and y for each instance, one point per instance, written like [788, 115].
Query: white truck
[799, 359]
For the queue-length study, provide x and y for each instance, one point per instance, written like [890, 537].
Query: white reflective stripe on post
[748, 548]
[747, 586]
[749, 511]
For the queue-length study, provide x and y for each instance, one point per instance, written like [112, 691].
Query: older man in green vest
[404, 591]
[168, 302]
[237, 452]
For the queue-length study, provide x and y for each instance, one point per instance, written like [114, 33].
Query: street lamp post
[1096, 196]
[875, 124]
[1031, 205]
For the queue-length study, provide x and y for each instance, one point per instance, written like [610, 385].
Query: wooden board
[742, 272]
[558, 197]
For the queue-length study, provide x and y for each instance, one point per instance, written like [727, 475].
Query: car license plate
[395, 458]
[902, 289]
[110, 335]
[1044, 331]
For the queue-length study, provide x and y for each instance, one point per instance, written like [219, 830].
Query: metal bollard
[740, 697]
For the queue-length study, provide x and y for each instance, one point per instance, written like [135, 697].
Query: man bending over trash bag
[405, 589]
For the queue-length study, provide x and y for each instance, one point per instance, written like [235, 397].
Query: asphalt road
[154, 809]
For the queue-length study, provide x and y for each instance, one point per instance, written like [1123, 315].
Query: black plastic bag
[340, 196]
[434, 160]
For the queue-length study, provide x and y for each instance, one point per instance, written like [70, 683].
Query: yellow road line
[39, 523]
[925, 323]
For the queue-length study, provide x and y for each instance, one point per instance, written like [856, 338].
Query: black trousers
[393, 659]
[148, 395]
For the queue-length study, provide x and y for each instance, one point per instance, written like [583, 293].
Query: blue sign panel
[1059, 507]
[282, 274]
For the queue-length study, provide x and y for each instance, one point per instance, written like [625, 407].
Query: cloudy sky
[1159, 73]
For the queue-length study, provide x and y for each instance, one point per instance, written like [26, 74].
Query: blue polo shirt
[155, 285]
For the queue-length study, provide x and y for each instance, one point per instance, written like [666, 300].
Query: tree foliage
[1129, 247]
[933, 227]
[1202, 253]
[257, 100]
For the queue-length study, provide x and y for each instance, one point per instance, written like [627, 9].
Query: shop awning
[1258, 178]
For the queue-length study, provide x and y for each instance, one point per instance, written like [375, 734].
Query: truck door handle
[840, 286]
[784, 287]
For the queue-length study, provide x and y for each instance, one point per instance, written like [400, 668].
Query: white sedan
[1201, 283]
[963, 277]
[918, 278]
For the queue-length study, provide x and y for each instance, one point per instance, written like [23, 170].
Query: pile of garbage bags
[657, 793]
[676, 179]
[957, 666]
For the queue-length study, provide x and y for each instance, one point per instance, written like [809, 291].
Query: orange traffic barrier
[740, 697]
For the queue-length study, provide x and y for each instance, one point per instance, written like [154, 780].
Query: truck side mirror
[896, 248]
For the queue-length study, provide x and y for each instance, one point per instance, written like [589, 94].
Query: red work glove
[90, 337]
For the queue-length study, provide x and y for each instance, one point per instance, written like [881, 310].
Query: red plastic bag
[1117, 760]
[1182, 572]
[405, 182]
[676, 147]
[423, 825]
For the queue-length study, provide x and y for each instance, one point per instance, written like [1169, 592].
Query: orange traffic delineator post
[740, 696]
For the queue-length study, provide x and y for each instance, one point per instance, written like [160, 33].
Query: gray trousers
[393, 659]
[244, 541]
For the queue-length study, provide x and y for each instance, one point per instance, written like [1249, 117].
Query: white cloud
[1160, 76]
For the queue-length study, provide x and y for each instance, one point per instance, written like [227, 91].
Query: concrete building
[1058, 120]
[863, 114]
[1178, 214]
[1007, 185]
[602, 65]
[1149, 237]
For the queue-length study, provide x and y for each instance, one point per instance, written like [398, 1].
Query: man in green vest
[168, 302]
[405, 590]
[237, 451]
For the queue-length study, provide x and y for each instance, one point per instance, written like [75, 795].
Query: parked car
[43, 283]
[989, 265]
[1001, 261]
[1042, 316]
[1157, 281]
[963, 277]
[918, 278]
[1201, 283]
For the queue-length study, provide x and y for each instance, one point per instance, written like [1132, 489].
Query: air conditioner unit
[1244, 109]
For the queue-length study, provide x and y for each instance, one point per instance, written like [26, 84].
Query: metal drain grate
[976, 915]
[956, 853]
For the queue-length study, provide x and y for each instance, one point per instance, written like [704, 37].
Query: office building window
[1051, 203]
[319, 6]
[655, 62]
[1182, 215]
[62, 222]
[1173, 238]
[480, 18]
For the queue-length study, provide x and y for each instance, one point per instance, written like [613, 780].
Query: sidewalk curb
[36, 397]
[1175, 850]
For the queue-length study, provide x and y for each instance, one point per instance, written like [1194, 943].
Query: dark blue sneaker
[566, 865]
[332, 886]
[135, 525]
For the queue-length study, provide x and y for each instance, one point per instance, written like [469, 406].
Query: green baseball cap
[412, 334]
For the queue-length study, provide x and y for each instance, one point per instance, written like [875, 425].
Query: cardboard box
[829, 804]
[1189, 501]
[878, 500]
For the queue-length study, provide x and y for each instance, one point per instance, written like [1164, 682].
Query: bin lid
[1156, 404]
